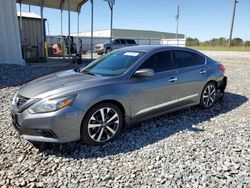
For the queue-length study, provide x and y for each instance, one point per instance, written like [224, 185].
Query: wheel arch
[112, 101]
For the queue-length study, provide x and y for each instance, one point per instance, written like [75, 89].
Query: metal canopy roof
[74, 5]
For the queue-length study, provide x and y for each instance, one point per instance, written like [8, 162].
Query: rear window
[130, 41]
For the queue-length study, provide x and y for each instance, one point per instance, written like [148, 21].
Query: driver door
[158, 92]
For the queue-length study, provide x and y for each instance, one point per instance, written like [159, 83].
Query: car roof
[149, 48]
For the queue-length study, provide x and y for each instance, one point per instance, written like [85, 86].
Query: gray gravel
[188, 148]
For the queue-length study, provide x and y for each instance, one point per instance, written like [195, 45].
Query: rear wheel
[208, 95]
[102, 124]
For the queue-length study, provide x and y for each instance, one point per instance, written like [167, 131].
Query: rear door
[191, 75]
[159, 91]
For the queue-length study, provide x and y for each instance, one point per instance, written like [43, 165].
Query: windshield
[113, 64]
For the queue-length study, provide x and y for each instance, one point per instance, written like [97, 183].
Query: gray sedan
[96, 102]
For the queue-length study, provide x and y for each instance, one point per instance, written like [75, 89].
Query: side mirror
[144, 73]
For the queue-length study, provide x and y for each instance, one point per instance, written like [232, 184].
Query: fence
[86, 41]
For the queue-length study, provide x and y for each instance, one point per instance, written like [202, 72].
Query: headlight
[14, 100]
[51, 105]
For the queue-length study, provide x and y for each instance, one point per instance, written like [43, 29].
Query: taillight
[222, 68]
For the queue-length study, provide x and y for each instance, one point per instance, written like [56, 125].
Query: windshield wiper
[88, 72]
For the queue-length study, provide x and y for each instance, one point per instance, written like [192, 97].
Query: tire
[101, 124]
[100, 53]
[208, 95]
[108, 50]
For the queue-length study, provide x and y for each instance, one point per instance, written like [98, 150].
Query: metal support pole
[92, 28]
[61, 22]
[78, 44]
[111, 24]
[232, 24]
[21, 22]
[42, 28]
[69, 47]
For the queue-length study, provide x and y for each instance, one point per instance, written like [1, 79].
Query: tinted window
[130, 41]
[200, 59]
[116, 41]
[123, 41]
[159, 62]
[188, 59]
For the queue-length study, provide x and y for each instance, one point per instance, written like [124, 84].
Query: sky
[204, 19]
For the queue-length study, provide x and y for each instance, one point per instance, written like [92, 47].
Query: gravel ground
[188, 148]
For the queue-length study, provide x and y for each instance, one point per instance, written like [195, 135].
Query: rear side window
[188, 59]
[123, 41]
[117, 41]
[130, 41]
[159, 62]
[200, 59]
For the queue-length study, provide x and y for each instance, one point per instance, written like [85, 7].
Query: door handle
[173, 79]
[203, 71]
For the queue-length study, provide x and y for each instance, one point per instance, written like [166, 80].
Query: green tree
[192, 41]
[247, 43]
[237, 42]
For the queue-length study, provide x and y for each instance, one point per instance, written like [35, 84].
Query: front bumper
[58, 127]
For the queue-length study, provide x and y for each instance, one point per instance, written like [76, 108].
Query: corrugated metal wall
[31, 33]
[10, 52]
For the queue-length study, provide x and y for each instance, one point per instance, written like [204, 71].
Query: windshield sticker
[134, 54]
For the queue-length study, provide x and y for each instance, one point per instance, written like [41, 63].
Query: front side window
[113, 64]
[188, 59]
[159, 62]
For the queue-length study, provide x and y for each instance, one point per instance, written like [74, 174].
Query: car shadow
[150, 131]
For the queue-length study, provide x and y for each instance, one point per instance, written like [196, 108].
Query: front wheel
[102, 124]
[208, 95]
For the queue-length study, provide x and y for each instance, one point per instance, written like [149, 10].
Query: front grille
[21, 100]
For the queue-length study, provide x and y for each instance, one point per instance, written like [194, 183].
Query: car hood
[60, 83]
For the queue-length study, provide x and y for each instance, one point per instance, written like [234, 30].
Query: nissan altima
[94, 103]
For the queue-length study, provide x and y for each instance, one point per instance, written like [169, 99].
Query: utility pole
[177, 20]
[232, 24]
[177, 24]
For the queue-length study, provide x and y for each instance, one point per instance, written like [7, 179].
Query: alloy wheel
[209, 96]
[103, 124]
